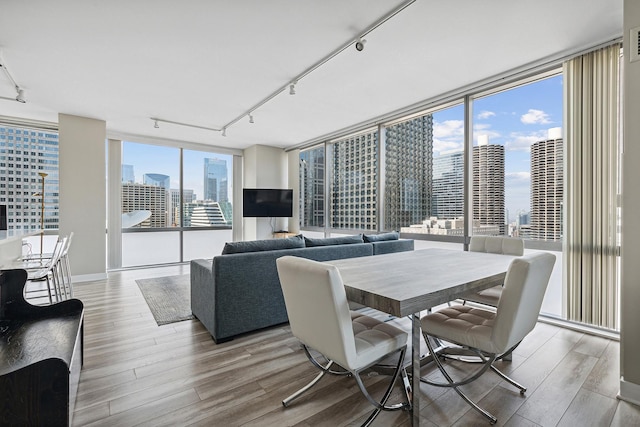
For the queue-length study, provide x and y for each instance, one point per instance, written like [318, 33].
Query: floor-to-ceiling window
[207, 195]
[518, 169]
[424, 174]
[29, 186]
[175, 204]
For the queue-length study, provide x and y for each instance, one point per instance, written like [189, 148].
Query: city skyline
[515, 118]
[149, 159]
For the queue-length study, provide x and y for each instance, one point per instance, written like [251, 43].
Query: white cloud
[448, 135]
[486, 114]
[535, 117]
[522, 142]
[448, 128]
[518, 176]
[440, 145]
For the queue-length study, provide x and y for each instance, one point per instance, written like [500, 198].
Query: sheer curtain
[591, 171]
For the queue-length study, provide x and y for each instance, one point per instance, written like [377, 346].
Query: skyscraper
[149, 198]
[187, 197]
[157, 179]
[24, 153]
[488, 184]
[547, 187]
[408, 171]
[354, 181]
[127, 174]
[447, 200]
[215, 180]
[312, 186]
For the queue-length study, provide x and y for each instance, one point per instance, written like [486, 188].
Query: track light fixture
[20, 97]
[250, 118]
[224, 131]
[292, 88]
[157, 120]
[19, 91]
[360, 44]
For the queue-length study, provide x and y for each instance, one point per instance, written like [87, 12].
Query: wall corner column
[83, 194]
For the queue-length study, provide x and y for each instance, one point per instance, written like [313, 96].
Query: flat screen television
[267, 202]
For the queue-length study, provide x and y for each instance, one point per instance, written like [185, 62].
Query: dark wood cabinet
[40, 356]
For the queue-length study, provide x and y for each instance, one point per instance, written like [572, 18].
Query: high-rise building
[157, 179]
[354, 182]
[203, 214]
[188, 196]
[488, 184]
[152, 198]
[215, 180]
[547, 187]
[127, 173]
[447, 200]
[408, 172]
[312, 187]
[24, 154]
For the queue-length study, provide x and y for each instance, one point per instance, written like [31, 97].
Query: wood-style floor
[138, 373]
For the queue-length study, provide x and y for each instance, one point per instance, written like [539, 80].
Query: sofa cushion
[342, 240]
[392, 235]
[263, 245]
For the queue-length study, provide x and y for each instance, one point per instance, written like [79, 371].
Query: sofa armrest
[202, 292]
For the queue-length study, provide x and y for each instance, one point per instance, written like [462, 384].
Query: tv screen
[267, 202]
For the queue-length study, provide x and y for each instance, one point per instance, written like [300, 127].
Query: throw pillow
[393, 235]
[263, 245]
[342, 240]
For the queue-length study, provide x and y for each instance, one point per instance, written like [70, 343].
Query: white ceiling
[206, 62]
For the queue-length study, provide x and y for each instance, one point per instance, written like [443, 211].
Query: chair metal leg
[324, 370]
[455, 385]
[511, 381]
[304, 389]
[507, 356]
[379, 406]
[67, 267]
[382, 405]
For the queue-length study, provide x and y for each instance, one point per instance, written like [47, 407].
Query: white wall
[264, 167]
[83, 194]
[630, 293]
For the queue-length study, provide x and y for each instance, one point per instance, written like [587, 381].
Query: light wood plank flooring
[138, 373]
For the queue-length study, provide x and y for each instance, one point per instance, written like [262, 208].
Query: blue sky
[514, 118]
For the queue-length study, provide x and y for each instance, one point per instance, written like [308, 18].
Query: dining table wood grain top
[404, 283]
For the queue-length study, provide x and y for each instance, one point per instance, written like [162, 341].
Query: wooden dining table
[406, 283]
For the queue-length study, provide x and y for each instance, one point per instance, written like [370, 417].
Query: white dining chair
[494, 245]
[320, 318]
[46, 269]
[490, 333]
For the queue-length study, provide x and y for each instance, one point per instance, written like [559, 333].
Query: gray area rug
[168, 298]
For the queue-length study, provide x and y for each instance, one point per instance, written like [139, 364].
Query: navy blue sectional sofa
[239, 291]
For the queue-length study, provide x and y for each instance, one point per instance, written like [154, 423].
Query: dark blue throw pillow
[342, 240]
[393, 235]
[263, 245]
